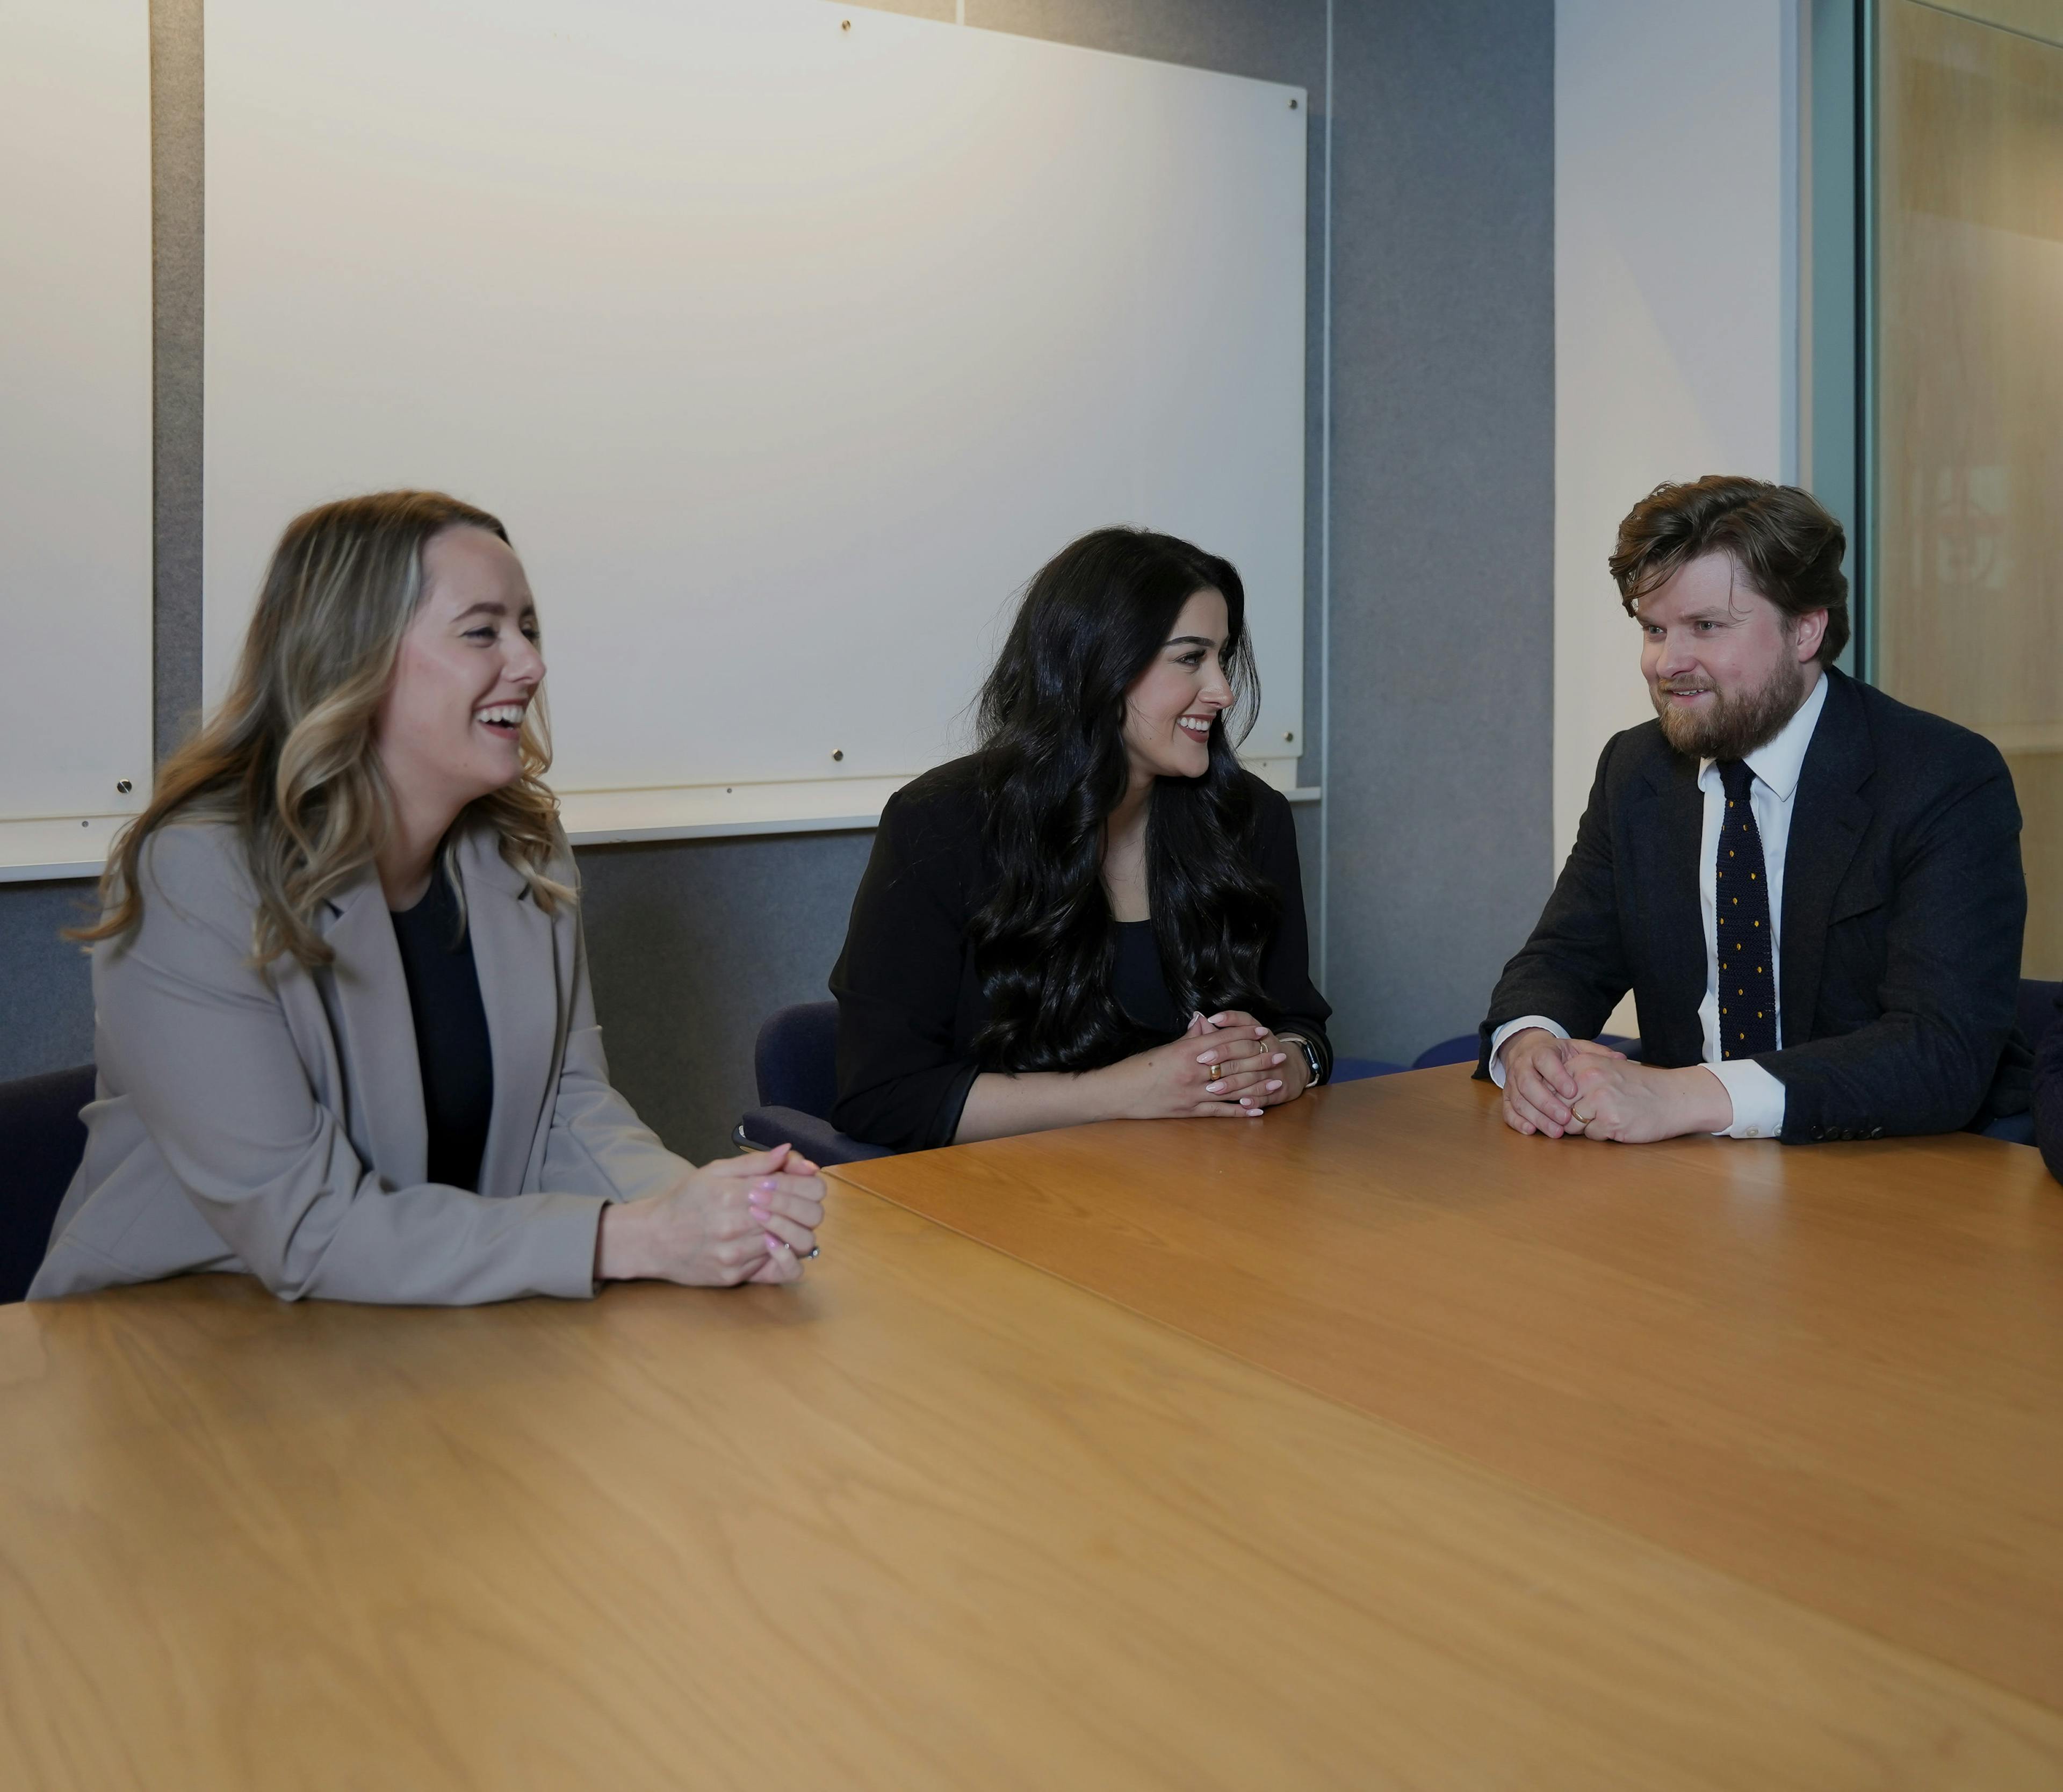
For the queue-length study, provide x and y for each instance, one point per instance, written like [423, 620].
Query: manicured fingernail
[773, 1243]
[770, 1186]
[1273, 1087]
[1207, 1058]
[1261, 1032]
[1213, 1088]
[1280, 1058]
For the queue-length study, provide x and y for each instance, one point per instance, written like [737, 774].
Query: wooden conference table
[1370, 1445]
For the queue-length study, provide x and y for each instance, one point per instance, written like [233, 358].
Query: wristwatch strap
[1313, 1065]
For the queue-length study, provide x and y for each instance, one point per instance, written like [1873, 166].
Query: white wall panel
[1675, 299]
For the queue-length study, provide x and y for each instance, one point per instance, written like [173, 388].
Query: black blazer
[910, 1002]
[1903, 908]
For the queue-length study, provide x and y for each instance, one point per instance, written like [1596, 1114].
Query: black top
[1898, 964]
[1140, 985]
[911, 1003]
[451, 1033]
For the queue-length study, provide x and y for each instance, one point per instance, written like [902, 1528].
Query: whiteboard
[788, 341]
[75, 539]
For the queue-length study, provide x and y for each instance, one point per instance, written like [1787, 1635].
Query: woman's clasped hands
[1226, 1064]
[751, 1217]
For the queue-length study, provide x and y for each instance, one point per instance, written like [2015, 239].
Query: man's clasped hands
[1563, 1087]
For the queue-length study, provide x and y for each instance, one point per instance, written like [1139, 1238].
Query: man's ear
[1809, 630]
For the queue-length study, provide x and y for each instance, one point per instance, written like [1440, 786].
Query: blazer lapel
[1828, 820]
[514, 951]
[1674, 922]
[378, 1044]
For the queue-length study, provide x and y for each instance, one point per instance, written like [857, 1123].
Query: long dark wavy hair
[1053, 768]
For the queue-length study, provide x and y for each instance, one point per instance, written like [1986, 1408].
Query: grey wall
[1439, 786]
[1439, 808]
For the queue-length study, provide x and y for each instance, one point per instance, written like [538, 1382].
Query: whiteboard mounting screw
[122, 786]
[845, 24]
[1292, 106]
[1290, 737]
[838, 752]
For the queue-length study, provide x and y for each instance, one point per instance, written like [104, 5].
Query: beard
[1733, 727]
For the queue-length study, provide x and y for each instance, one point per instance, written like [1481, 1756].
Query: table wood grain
[933, 1520]
[1835, 1371]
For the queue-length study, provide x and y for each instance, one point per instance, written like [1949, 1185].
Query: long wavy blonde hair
[289, 756]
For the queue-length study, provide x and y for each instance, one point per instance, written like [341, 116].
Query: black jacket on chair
[2048, 1095]
[1904, 906]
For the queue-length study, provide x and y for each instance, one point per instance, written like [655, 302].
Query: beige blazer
[271, 1121]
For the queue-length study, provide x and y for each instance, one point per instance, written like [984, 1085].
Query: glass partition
[1965, 594]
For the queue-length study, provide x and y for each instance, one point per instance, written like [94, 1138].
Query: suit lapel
[1828, 821]
[378, 1042]
[1673, 922]
[513, 951]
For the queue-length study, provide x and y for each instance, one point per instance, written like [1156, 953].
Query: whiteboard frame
[784, 802]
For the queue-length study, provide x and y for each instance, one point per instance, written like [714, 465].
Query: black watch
[1312, 1063]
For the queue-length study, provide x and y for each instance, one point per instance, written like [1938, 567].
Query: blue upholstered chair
[1462, 1049]
[41, 1140]
[1353, 1069]
[794, 1063]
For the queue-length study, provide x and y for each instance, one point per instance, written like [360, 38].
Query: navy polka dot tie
[1747, 983]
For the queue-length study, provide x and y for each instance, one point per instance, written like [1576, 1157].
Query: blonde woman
[343, 1034]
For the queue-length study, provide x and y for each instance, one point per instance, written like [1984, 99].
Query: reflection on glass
[1968, 606]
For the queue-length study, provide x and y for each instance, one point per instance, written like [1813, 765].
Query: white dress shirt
[1757, 1096]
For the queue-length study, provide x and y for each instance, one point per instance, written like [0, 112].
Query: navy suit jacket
[1904, 906]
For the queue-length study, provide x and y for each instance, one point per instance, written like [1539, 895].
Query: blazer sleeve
[1574, 968]
[202, 1046]
[597, 1145]
[1285, 967]
[1956, 910]
[902, 1072]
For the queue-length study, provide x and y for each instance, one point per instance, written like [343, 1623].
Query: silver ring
[813, 1251]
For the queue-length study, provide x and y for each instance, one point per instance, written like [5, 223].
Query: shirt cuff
[1758, 1098]
[1519, 1025]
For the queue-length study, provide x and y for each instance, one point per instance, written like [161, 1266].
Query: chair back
[1464, 1048]
[42, 1140]
[795, 1061]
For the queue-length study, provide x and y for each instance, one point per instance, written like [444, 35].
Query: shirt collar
[1779, 762]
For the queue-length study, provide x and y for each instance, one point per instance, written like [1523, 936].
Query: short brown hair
[1786, 544]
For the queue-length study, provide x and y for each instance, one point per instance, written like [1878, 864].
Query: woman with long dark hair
[1098, 915]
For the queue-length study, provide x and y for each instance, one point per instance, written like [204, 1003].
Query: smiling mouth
[505, 719]
[1197, 728]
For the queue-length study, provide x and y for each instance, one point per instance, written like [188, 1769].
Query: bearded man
[1813, 892]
